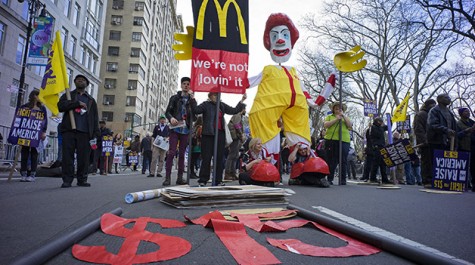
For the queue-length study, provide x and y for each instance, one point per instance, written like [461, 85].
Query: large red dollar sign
[170, 246]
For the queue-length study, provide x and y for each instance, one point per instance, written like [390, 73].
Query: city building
[81, 23]
[138, 71]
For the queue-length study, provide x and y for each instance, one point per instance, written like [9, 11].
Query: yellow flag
[401, 110]
[55, 79]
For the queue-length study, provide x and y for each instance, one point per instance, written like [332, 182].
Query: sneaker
[159, 175]
[30, 179]
[201, 184]
[166, 183]
[23, 179]
[220, 184]
[294, 182]
[150, 176]
[280, 184]
[323, 182]
[84, 184]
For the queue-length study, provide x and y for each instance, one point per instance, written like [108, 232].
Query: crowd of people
[187, 125]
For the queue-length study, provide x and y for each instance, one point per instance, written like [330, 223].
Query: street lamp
[33, 6]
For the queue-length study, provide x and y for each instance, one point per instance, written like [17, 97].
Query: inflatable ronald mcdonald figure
[280, 94]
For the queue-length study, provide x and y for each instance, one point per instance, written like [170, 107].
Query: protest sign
[405, 126]
[107, 148]
[398, 153]
[118, 154]
[27, 127]
[133, 158]
[370, 107]
[450, 170]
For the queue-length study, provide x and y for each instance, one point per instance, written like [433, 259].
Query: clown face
[280, 44]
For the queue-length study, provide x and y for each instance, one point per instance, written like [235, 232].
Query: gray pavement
[34, 214]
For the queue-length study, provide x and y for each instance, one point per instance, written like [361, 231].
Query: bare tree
[460, 15]
[402, 56]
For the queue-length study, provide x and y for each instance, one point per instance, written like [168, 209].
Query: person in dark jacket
[31, 152]
[179, 114]
[159, 154]
[84, 109]
[441, 127]
[466, 136]
[420, 131]
[99, 159]
[146, 150]
[378, 141]
[208, 109]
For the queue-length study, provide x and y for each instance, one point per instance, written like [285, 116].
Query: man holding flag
[77, 140]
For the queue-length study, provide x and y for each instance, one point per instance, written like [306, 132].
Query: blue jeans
[416, 172]
[410, 180]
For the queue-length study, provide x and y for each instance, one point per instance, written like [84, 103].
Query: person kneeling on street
[307, 168]
[258, 169]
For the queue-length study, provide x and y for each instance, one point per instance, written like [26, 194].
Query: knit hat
[461, 110]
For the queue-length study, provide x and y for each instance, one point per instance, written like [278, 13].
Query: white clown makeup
[280, 44]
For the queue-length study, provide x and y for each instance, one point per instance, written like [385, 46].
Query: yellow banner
[55, 79]
[401, 110]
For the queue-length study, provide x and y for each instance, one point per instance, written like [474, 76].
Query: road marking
[387, 234]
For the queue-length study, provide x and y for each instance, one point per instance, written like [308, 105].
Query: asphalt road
[34, 214]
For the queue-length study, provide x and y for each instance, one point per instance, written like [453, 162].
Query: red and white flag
[327, 90]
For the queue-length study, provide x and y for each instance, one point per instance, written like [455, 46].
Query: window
[135, 52]
[114, 35]
[108, 100]
[143, 57]
[118, 4]
[72, 46]
[136, 36]
[141, 72]
[64, 37]
[112, 67]
[5, 2]
[139, 104]
[67, 8]
[113, 51]
[76, 14]
[138, 21]
[70, 74]
[20, 49]
[132, 85]
[130, 101]
[3, 29]
[110, 83]
[134, 68]
[116, 20]
[139, 6]
[25, 14]
[108, 116]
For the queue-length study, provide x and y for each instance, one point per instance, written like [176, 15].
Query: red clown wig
[278, 19]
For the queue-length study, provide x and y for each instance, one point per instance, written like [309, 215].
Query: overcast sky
[259, 11]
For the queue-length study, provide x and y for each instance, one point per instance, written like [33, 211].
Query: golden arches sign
[222, 18]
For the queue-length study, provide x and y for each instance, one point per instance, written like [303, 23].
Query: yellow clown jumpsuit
[279, 95]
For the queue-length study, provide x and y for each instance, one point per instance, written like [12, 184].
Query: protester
[441, 127]
[134, 149]
[369, 156]
[466, 136]
[378, 141]
[396, 172]
[28, 152]
[351, 163]
[158, 152]
[179, 114]
[146, 150]
[101, 159]
[284, 155]
[196, 147]
[320, 148]
[236, 129]
[118, 141]
[303, 159]
[332, 148]
[76, 141]
[420, 131]
[208, 109]
[258, 156]
[416, 170]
